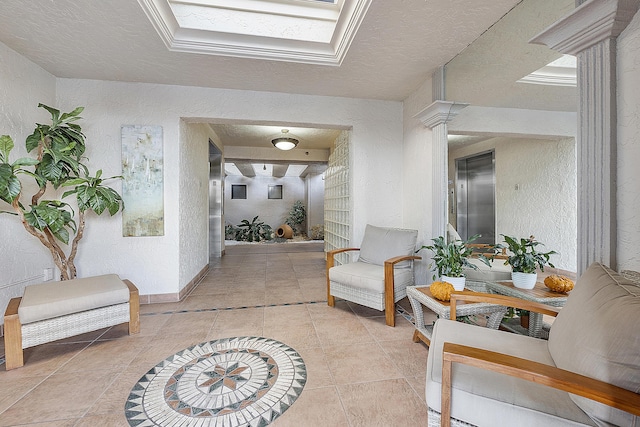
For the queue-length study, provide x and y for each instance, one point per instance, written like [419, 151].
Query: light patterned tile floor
[359, 371]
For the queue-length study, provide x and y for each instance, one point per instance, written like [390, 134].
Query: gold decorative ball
[558, 283]
[441, 290]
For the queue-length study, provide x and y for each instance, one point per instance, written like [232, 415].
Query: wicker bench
[55, 310]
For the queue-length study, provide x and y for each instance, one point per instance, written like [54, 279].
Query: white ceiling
[397, 47]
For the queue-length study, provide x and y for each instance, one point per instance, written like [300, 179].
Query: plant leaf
[6, 145]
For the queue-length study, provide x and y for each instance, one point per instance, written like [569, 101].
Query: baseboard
[176, 296]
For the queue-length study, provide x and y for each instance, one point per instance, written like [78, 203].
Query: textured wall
[22, 86]
[416, 178]
[629, 147]
[545, 202]
[315, 201]
[194, 199]
[153, 263]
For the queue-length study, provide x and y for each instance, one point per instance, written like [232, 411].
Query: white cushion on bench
[54, 299]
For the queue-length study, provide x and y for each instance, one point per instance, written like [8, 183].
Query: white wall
[270, 211]
[629, 147]
[416, 176]
[545, 204]
[22, 86]
[154, 263]
[315, 201]
[194, 199]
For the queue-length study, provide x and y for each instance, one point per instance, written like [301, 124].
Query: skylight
[561, 72]
[307, 31]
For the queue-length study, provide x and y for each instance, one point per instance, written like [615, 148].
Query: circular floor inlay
[246, 381]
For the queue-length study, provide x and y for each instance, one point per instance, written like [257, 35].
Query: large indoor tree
[57, 165]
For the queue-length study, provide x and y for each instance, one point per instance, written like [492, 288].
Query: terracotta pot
[524, 321]
[284, 231]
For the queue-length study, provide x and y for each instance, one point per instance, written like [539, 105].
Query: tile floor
[360, 371]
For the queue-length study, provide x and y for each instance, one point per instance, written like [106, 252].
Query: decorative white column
[589, 33]
[435, 117]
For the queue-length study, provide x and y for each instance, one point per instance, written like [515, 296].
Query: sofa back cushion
[380, 243]
[597, 334]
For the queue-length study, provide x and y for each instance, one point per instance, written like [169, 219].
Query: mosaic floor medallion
[245, 381]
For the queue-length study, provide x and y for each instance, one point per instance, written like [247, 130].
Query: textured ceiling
[399, 44]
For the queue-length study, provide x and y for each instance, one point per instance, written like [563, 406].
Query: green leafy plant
[253, 231]
[297, 215]
[59, 149]
[451, 257]
[524, 256]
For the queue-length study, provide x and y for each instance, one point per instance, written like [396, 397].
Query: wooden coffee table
[420, 296]
[540, 293]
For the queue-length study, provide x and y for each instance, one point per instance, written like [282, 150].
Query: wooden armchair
[380, 276]
[588, 370]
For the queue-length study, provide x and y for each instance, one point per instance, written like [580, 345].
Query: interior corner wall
[545, 201]
[270, 211]
[153, 263]
[315, 201]
[194, 199]
[23, 85]
[416, 175]
[628, 177]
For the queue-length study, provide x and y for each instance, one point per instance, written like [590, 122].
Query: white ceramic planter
[457, 282]
[524, 280]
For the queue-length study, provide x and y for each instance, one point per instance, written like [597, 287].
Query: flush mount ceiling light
[285, 142]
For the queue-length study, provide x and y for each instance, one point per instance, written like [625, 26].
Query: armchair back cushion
[380, 243]
[597, 334]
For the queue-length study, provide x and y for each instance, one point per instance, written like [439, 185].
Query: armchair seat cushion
[369, 277]
[485, 398]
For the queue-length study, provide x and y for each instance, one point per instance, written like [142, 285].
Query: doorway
[216, 198]
[476, 201]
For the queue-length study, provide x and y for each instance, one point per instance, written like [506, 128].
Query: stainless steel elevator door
[475, 183]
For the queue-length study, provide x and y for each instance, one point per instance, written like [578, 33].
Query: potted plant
[524, 260]
[59, 149]
[451, 258]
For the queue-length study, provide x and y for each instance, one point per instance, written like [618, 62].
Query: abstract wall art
[142, 184]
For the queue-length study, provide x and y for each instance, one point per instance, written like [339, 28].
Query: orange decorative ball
[441, 290]
[557, 283]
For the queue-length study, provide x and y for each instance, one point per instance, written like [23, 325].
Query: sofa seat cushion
[54, 299]
[369, 277]
[380, 243]
[498, 271]
[484, 398]
[602, 319]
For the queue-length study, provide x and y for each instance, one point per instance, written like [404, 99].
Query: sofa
[484, 377]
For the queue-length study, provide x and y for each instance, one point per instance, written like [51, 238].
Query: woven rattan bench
[54, 310]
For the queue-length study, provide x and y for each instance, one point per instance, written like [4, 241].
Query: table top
[540, 293]
[442, 308]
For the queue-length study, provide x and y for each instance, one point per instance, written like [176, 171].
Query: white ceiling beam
[279, 170]
[246, 169]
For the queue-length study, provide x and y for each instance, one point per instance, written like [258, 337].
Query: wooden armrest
[500, 300]
[397, 259]
[600, 391]
[331, 254]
